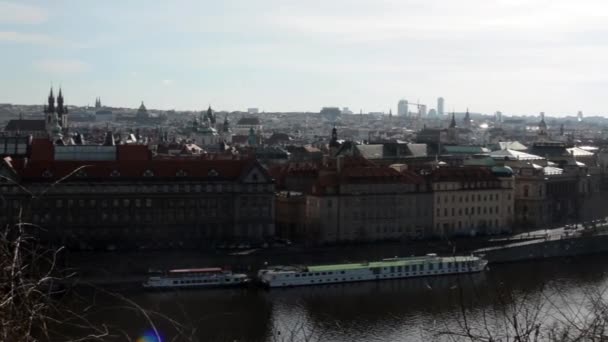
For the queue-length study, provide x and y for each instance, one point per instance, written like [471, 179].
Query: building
[246, 123]
[472, 201]
[440, 107]
[14, 146]
[56, 115]
[421, 110]
[402, 109]
[253, 110]
[351, 201]
[330, 113]
[137, 201]
[25, 127]
[55, 120]
[142, 112]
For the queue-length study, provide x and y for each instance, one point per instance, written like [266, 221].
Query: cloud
[28, 38]
[167, 83]
[13, 13]
[61, 66]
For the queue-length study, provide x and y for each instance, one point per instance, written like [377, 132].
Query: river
[393, 310]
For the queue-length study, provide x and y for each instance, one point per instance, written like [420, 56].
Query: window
[148, 173]
[212, 173]
[526, 190]
[181, 173]
[115, 173]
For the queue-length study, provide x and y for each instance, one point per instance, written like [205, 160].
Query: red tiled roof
[133, 152]
[165, 168]
[26, 125]
[42, 149]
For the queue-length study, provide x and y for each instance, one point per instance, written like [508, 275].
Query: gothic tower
[62, 111]
[49, 110]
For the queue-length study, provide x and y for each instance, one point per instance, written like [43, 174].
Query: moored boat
[392, 268]
[195, 278]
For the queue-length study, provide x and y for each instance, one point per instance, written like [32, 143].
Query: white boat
[393, 268]
[195, 278]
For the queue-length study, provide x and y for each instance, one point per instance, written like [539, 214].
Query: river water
[392, 310]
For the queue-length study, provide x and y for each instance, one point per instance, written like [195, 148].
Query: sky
[516, 56]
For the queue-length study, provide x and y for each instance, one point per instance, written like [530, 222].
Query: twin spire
[60, 109]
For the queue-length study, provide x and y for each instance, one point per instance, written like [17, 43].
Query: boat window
[392, 269]
[175, 282]
[449, 265]
[399, 268]
[341, 272]
[430, 267]
[407, 268]
[297, 276]
[440, 265]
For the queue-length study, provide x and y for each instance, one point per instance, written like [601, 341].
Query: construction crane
[417, 104]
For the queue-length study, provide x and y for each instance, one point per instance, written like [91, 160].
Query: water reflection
[394, 310]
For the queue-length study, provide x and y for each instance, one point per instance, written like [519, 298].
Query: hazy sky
[517, 56]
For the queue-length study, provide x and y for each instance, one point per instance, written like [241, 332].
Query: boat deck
[387, 263]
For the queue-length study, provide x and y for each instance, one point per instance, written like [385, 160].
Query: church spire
[453, 123]
[50, 108]
[60, 107]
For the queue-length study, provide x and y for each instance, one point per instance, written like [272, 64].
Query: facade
[245, 124]
[472, 200]
[136, 201]
[402, 109]
[440, 107]
[367, 203]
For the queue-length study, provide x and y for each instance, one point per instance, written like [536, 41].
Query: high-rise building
[440, 104]
[580, 116]
[498, 116]
[421, 110]
[402, 108]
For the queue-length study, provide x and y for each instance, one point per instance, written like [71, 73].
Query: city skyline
[516, 57]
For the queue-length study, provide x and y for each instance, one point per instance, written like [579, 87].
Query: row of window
[200, 281]
[471, 211]
[471, 198]
[480, 223]
[162, 188]
[469, 185]
[396, 269]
